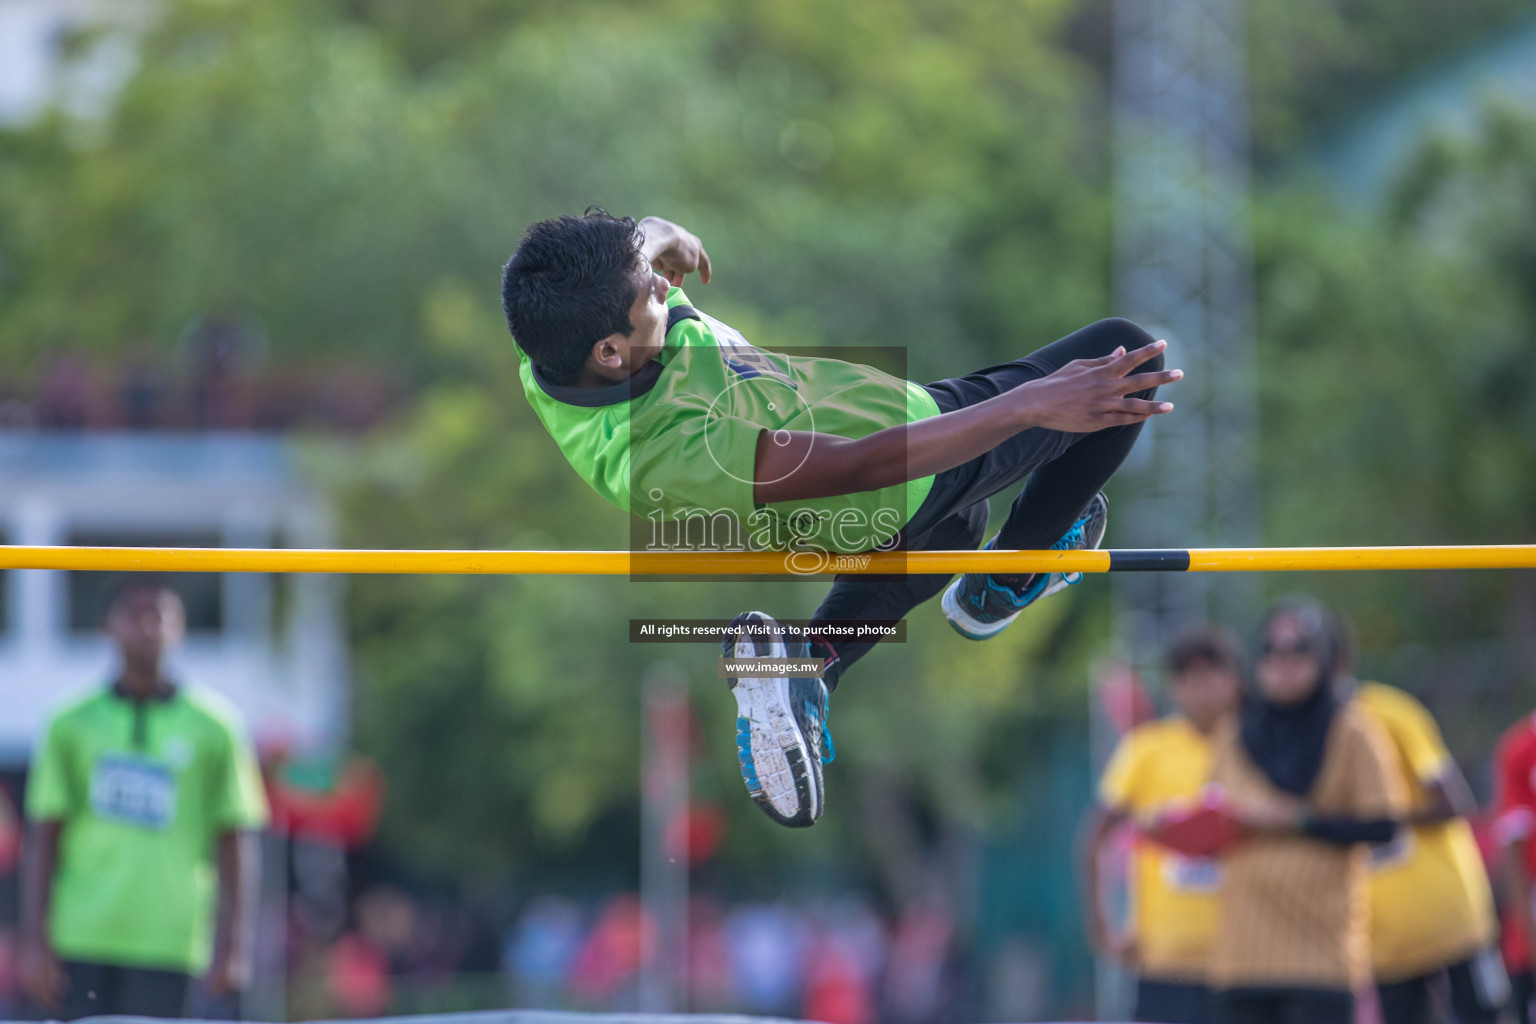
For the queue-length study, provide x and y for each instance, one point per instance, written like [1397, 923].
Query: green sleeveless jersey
[677, 442]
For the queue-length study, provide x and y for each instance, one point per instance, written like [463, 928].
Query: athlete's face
[648, 315]
[1205, 692]
[616, 358]
[145, 624]
[1288, 669]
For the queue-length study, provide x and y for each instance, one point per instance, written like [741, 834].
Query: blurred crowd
[1289, 845]
[1294, 844]
[841, 962]
[221, 381]
[386, 949]
[173, 866]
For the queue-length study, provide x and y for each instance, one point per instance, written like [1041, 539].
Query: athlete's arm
[239, 859]
[42, 976]
[1084, 396]
[673, 251]
[1099, 828]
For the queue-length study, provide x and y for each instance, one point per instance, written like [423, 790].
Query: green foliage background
[926, 175]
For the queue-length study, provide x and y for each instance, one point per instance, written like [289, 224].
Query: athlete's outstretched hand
[1091, 394]
[673, 252]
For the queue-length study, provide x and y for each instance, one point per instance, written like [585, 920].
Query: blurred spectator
[10, 987]
[357, 977]
[389, 919]
[351, 401]
[10, 855]
[607, 965]
[10, 834]
[917, 988]
[844, 962]
[539, 950]
[1157, 766]
[68, 398]
[766, 944]
[16, 414]
[363, 960]
[323, 802]
[1124, 698]
[222, 387]
[1018, 980]
[709, 966]
[1513, 828]
[323, 807]
[1313, 777]
[318, 881]
[144, 393]
[836, 991]
[1432, 917]
[852, 924]
[141, 793]
[446, 939]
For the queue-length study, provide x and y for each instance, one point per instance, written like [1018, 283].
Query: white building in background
[274, 645]
[34, 37]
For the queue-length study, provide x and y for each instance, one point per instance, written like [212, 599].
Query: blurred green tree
[1314, 62]
[863, 175]
[1398, 409]
[792, 151]
[923, 176]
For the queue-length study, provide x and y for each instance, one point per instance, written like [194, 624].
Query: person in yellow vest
[1312, 777]
[1432, 913]
[1156, 766]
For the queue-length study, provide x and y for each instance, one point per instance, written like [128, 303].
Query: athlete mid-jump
[671, 414]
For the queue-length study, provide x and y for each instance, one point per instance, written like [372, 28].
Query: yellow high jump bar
[763, 563]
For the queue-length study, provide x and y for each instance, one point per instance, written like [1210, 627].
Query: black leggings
[1283, 1006]
[1171, 1002]
[1522, 989]
[1475, 989]
[1064, 471]
[97, 990]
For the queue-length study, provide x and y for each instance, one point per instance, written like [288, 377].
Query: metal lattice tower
[1184, 269]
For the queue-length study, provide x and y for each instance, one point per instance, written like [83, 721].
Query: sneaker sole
[781, 775]
[964, 624]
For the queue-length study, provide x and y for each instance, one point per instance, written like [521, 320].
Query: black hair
[1211, 645]
[134, 585]
[569, 285]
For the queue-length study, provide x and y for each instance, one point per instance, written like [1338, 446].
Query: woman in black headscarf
[1313, 778]
[1285, 723]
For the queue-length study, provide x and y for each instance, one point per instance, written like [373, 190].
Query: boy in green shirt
[141, 857]
[675, 417]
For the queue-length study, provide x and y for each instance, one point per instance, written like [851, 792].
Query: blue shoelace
[1073, 538]
[1070, 540]
[828, 749]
